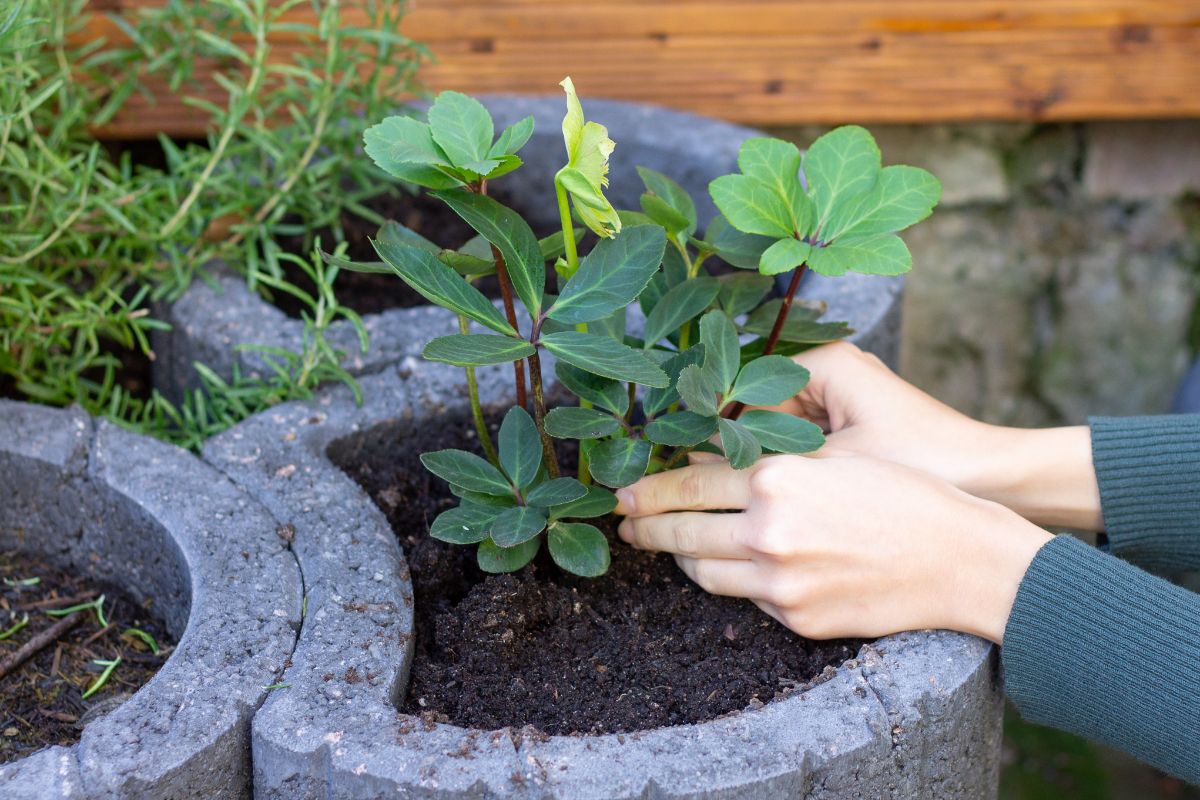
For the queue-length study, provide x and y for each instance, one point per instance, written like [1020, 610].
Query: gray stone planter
[157, 521]
[915, 715]
[212, 318]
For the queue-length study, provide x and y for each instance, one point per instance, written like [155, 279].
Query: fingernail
[624, 502]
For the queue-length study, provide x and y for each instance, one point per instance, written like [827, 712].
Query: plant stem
[736, 409]
[485, 439]
[539, 402]
[782, 316]
[572, 257]
[568, 229]
[239, 106]
[510, 311]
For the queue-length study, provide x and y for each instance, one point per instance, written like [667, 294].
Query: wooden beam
[800, 61]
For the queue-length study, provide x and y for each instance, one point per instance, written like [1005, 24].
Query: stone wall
[1060, 275]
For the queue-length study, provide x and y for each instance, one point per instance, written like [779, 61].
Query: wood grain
[799, 61]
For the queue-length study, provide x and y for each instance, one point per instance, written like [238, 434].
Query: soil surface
[639, 648]
[369, 293]
[41, 701]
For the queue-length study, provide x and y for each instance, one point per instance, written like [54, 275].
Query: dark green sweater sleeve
[1097, 647]
[1149, 474]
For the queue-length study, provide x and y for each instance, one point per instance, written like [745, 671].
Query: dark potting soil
[371, 293]
[41, 700]
[639, 648]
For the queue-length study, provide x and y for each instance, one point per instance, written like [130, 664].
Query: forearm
[1044, 475]
[1102, 649]
[1149, 476]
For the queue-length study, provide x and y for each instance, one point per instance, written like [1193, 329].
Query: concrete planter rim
[90, 493]
[216, 315]
[331, 737]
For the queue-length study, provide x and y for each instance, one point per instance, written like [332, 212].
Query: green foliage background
[89, 238]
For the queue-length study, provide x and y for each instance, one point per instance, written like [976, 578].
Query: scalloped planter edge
[214, 316]
[912, 714]
[153, 518]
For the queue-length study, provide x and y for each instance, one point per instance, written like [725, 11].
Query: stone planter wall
[912, 715]
[211, 319]
[157, 521]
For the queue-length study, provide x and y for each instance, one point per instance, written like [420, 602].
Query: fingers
[700, 487]
[724, 576]
[690, 533]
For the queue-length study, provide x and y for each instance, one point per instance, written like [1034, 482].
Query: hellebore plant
[712, 346]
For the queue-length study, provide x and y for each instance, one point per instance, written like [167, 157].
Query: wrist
[1001, 546]
[1045, 475]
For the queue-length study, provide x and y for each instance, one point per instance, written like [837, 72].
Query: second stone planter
[213, 318]
[126, 510]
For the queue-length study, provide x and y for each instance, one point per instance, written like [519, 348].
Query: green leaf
[740, 446]
[605, 357]
[495, 559]
[777, 163]
[477, 349]
[842, 163]
[520, 448]
[656, 400]
[752, 206]
[517, 525]
[467, 265]
[679, 305]
[658, 210]
[439, 284]
[466, 524]
[556, 492]
[596, 503]
[722, 354]
[463, 128]
[620, 462]
[681, 429]
[554, 245]
[697, 391]
[603, 392]
[784, 256]
[611, 276]
[460, 468]
[902, 196]
[672, 195]
[512, 138]
[392, 231]
[873, 255]
[782, 433]
[579, 548]
[801, 327]
[742, 250]
[741, 292]
[512, 236]
[404, 148]
[580, 423]
[481, 499]
[769, 381]
[505, 165]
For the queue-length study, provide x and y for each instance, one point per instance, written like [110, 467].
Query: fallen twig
[55, 602]
[43, 639]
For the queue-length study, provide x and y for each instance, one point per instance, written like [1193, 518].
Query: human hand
[841, 545]
[1045, 475]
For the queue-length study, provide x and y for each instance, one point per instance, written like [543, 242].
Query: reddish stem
[506, 294]
[510, 311]
[736, 409]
